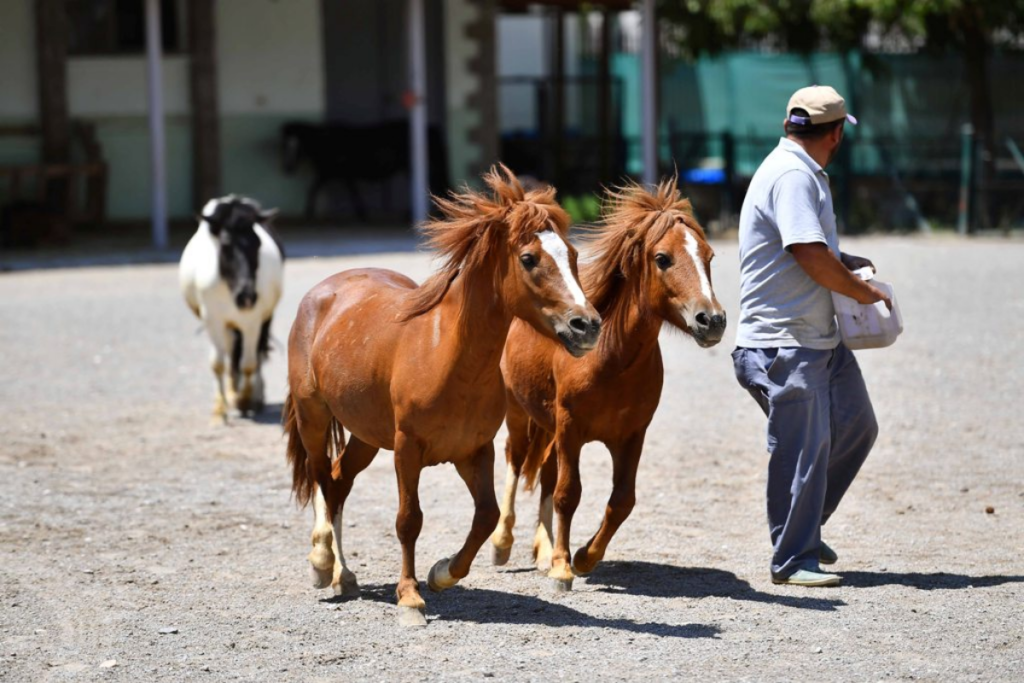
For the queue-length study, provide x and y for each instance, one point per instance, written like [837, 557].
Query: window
[118, 27]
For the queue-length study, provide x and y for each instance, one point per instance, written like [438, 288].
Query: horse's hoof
[579, 572]
[411, 616]
[500, 556]
[561, 585]
[347, 588]
[321, 578]
[439, 578]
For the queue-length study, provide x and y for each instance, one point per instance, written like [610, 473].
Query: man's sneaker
[806, 577]
[826, 555]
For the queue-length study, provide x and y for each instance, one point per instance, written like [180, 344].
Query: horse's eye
[663, 261]
[529, 261]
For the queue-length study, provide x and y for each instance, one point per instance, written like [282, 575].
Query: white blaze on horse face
[692, 248]
[436, 339]
[554, 245]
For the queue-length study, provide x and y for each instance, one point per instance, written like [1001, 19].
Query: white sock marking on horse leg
[552, 243]
[543, 539]
[503, 534]
[321, 556]
[340, 568]
[692, 249]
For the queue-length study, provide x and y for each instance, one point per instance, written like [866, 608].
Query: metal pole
[419, 189]
[156, 124]
[966, 178]
[649, 118]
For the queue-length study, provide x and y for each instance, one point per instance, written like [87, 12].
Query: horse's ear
[215, 215]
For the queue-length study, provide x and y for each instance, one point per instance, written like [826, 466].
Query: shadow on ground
[667, 581]
[483, 606]
[925, 582]
[270, 415]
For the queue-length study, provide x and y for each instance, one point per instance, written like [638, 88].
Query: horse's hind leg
[543, 538]
[515, 454]
[625, 460]
[478, 473]
[262, 351]
[356, 457]
[315, 431]
[234, 337]
[247, 370]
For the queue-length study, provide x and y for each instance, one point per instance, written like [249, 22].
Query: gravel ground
[138, 543]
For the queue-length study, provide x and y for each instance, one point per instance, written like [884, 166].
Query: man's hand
[823, 267]
[856, 262]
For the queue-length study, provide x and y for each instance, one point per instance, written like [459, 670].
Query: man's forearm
[824, 268]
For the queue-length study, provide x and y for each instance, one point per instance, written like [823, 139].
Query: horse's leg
[218, 352]
[625, 459]
[515, 454]
[314, 190]
[568, 490]
[235, 339]
[408, 463]
[247, 368]
[357, 199]
[543, 538]
[478, 473]
[314, 422]
[355, 458]
[259, 399]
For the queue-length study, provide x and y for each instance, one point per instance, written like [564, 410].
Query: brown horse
[416, 369]
[650, 265]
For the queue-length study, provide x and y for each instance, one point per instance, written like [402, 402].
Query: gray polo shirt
[788, 202]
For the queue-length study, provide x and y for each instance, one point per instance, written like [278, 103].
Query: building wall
[270, 71]
[270, 59]
[18, 98]
[471, 126]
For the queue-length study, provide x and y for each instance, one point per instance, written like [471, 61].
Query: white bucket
[868, 326]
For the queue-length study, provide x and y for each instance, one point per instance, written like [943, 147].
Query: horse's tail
[303, 484]
[540, 446]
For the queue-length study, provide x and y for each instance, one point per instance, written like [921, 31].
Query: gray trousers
[821, 427]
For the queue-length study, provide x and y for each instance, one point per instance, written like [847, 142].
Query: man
[789, 355]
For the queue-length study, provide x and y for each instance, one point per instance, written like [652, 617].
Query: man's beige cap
[821, 102]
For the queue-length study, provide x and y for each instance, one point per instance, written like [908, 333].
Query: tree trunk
[206, 168]
[54, 119]
[976, 62]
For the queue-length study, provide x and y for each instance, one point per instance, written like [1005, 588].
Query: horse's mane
[618, 271]
[476, 227]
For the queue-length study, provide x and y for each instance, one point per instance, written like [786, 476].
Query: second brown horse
[650, 264]
[416, 369]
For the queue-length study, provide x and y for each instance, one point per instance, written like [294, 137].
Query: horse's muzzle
[708, 330]
[580, 334]
[245, 300]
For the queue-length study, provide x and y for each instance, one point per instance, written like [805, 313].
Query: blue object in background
[704, 176]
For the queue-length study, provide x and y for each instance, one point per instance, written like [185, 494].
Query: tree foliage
[710, 26]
